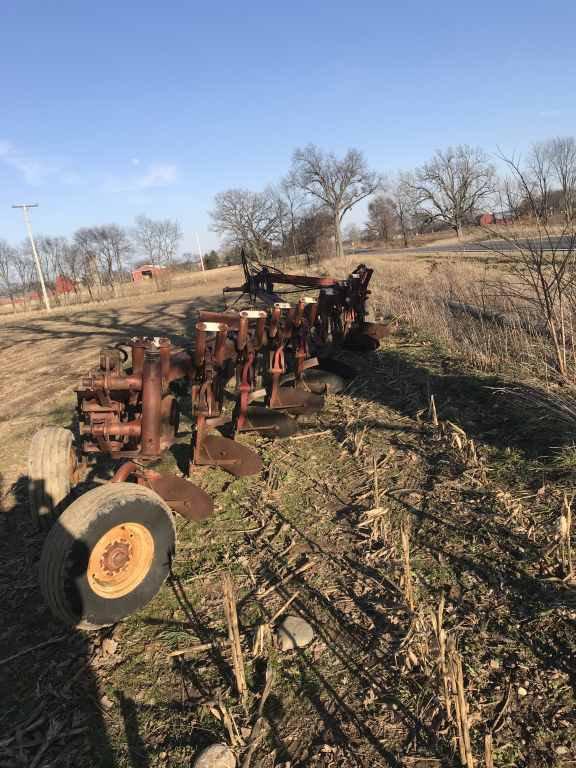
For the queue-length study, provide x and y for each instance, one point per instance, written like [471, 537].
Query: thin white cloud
[151, 176]
[34, 172]
[159, 175]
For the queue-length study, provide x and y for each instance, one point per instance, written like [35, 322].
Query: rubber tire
[49, 473]
[66, 551]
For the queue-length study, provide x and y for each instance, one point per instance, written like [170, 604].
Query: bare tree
[352, 233]
[7, 259]
[107, 246]
[382, 219]
[452, 185]
[314, 233]
[543, 267]
[72, 266]
[294, 199]
[157, 239]
[52, 253]
[283, 219]
[25, 270]
[539, 178]
[562, 158]
[404, 203]
[168, 236]
[337, 183]
[511, 196]
[247, 219]
[144, 236]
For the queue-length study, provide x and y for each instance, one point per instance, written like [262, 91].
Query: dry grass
[464, 308]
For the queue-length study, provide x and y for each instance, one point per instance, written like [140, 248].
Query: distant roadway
[555, 243]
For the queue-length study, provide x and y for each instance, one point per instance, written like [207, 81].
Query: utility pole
[25, 207]
[199, 251]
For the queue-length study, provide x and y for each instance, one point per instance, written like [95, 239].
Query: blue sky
[112, 109]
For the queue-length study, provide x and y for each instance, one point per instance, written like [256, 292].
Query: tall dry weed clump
[474, 311]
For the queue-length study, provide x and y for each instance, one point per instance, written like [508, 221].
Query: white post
[199, 251]
[28, 223]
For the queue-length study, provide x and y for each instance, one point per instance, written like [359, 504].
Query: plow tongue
[276, 424]
[297, 401]
[183, 497]
[233, 457]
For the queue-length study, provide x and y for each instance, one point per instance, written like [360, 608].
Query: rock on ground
[294, 632]
[215, 756]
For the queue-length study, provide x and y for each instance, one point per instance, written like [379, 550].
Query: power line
[25, 207]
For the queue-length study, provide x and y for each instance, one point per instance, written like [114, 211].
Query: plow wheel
[107, 555]
[52, 472]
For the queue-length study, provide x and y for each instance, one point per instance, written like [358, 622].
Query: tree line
[303, 213]
[94, 257]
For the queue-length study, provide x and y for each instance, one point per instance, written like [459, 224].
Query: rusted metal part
[125, 471]
[230, 455]
[127, 407]
[151, 403]
[259, 280]
[169, 421]
[111, 427]
[183, 497]
[165, 350]
[118, 410]
[297, 401]
[268, 422]
[138, 349]
[180, 366]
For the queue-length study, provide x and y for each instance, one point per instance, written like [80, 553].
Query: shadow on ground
[488, 408]
[52, 711]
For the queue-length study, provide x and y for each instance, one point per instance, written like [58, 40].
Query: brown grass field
[429, 555]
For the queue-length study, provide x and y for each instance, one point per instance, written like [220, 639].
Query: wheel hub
[116, 557]
[120, 560]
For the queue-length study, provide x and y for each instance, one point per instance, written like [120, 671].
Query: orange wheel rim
[120, 560]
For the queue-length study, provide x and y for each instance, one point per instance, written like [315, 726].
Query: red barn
[63, 284]
[146, 272]
[486, 219]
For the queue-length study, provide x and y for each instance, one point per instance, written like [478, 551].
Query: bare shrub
[468, 309]
[541, 266]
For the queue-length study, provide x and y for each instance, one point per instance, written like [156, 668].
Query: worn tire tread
[72, 524]
[49, 471]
